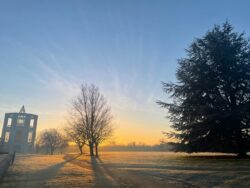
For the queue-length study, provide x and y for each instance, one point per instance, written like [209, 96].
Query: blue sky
[48, 48]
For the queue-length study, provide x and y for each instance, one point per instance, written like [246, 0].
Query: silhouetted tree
[103, 129]
[64, 144]
[51, 140]
[92, 116]
[211, 99]
[76, 133]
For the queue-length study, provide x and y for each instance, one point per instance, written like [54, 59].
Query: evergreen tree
[211, 99]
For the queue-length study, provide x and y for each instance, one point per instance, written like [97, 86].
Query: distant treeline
[137, 147]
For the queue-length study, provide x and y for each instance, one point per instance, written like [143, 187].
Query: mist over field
[129, 169]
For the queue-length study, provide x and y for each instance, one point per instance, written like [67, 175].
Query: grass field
[179, 169]
[129, 169]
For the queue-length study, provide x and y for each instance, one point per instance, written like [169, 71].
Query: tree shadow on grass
[103, 177]
[36, 179]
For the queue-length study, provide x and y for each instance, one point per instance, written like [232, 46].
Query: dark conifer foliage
[211, 99]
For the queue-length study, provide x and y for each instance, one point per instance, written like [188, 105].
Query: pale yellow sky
[138, 125]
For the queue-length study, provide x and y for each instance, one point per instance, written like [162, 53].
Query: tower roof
[22, 110]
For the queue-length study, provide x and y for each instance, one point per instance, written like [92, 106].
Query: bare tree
[51, 140]
[76, 134]
[92, 116]
[103, 130]
[63, 144]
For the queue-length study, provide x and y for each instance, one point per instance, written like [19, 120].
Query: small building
[19, 132]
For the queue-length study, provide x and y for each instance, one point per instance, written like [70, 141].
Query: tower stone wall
[19, 132]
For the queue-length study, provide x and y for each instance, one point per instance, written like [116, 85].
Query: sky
[126, 48]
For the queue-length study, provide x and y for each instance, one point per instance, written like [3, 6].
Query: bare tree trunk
[80, 148]
[241, 144]
[242, 149]
[51, 151]
[96, 150]
[91, 149]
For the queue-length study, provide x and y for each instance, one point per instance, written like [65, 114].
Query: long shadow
[39, 178]
[51, 171]
[102, 176]
[191, 165]
[104, 166]
[141, 174]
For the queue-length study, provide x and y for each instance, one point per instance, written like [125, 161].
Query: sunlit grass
[129, 169]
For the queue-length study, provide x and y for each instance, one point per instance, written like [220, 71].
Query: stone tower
[19, 132]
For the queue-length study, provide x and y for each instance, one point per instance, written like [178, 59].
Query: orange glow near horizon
[126, 130]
